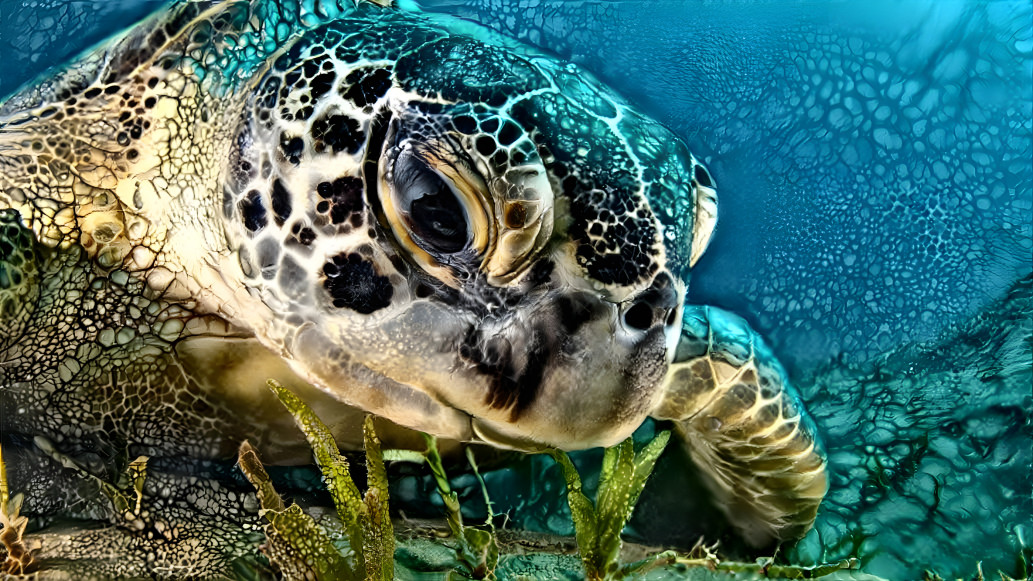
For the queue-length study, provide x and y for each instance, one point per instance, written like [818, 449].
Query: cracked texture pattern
[876, 193]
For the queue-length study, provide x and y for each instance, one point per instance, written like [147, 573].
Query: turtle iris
[431, 210]
[437, 220]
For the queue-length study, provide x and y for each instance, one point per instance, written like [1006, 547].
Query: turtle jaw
[567, 373]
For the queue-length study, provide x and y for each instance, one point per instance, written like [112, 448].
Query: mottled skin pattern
[416, 217]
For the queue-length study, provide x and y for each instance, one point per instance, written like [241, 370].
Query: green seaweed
[302, 548]
[18, 554]
[478, 550]
[299, 545]
[295, 543]
[597, 527]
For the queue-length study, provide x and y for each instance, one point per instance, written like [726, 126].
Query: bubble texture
[35, 34]
[876, 194]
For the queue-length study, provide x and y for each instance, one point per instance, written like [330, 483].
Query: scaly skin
[448, 230]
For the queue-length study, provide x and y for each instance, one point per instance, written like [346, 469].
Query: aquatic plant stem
[597, 527]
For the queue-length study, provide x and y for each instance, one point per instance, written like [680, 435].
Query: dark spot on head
[338, 133]
[465, 124]
[489, 125]
[306, 236]
[292, 147]
[281, 202]
[509, 134]
[366, 86]
[150, 102]
[354, 284]
[321, 84]
[311, 67]
[486, 145]
[342, 198]
[131, 154]
[253, 211]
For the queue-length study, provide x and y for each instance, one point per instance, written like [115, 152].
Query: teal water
[873, 163]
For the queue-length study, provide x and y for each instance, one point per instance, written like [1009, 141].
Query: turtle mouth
[566, 371]
[569, 391]
[560, 368]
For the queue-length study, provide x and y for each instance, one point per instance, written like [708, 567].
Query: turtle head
[469, 240]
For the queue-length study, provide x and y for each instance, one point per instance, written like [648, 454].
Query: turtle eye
[431, 211]
[435, 208]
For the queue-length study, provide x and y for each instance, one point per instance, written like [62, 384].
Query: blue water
[873, 162]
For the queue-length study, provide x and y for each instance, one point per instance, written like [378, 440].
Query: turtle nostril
[639, 316]
[672, 316]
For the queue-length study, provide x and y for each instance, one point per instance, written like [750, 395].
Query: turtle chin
[568, 374]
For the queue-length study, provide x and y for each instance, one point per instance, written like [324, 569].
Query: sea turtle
[419, 218]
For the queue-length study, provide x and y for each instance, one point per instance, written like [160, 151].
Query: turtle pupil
[437, 218]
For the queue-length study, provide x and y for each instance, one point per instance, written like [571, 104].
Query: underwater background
[874, 164]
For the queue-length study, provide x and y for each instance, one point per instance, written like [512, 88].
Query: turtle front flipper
[744, 427]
